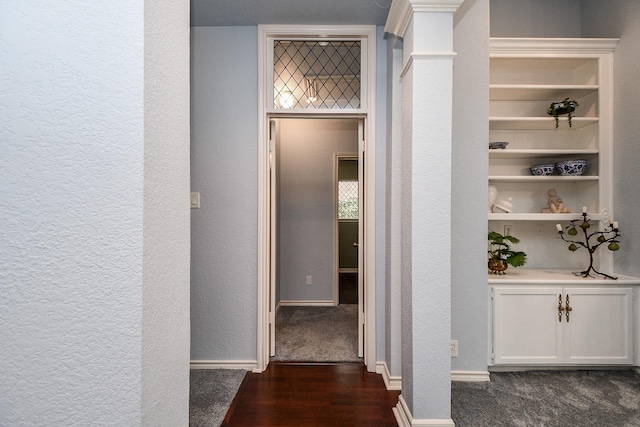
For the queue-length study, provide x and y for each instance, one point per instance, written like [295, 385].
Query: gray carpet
[211, 392]
[549, 398]
[317, 334]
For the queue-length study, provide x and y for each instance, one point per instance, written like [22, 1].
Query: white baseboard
[471, 376]
[247, 365]
[391, 383]
[306, 303]
[405, 419]
[395, 383]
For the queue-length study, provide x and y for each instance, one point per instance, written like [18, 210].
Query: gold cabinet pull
[560, 308]
[568, 308]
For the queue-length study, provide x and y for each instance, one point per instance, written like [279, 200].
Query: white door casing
[361, 237]
[273, 233]
[367, 35]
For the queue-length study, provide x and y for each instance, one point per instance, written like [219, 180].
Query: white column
[427, 30]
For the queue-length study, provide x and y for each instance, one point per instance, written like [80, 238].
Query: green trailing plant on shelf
[566, 106]
[501, 254]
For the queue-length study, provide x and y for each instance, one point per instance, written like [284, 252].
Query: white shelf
[538, 123]
[553, 277]
[533, 153]
[522, 216]
[539, 179]
[551, 93]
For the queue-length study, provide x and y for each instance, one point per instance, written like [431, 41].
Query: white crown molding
[471, 376]
[402, 11]
[405, 419]
[565, 45]
[312, 32]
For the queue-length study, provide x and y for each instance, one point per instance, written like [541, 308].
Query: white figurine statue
[556, 205]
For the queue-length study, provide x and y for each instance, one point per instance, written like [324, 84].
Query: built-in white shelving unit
[528, 307]
[526, 75]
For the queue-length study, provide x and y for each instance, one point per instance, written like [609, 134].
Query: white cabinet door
[531, 326]
[599, 330]
[526, 329]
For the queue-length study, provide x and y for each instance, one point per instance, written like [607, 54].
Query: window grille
[316, 74]
[347, 199]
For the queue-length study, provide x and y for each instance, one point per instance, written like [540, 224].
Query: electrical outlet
[309, 280]
[507, 230]
[454, 348]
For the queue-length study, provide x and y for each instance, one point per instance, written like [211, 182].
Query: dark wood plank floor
[313, 395]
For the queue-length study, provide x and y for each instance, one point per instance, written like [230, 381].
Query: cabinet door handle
[568, 308]
[560, 308]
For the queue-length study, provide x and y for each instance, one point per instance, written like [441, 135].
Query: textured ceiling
[307, 12]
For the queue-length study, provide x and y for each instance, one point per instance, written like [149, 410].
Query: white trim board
[395, 382]
[305, 303]
[390, 382]
[247, 365]
[405, 419]
[471, 376]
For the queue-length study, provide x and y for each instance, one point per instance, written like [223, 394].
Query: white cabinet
[558, 325]
[525, 326]
[600, 326]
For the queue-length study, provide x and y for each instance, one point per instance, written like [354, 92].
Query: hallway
[313, 395]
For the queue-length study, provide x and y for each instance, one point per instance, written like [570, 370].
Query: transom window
[316, 74]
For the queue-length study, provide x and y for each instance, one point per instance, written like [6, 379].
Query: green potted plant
[501, 255]
[566, 106]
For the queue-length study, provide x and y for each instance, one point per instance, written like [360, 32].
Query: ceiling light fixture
[286, 99]
[311, 90]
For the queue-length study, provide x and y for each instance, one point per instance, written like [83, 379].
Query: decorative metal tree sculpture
[609, 235]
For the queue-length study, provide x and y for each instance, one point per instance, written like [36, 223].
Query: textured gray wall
[224, 257]
[381, 191]
[620, 18]
[165, 315]
[469, 186]
[224, 171]
[307, 211]
[78, 195]
[71, 208]
[535, 18]
[393, 259]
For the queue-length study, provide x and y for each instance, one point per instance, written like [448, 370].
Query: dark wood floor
[313, 395]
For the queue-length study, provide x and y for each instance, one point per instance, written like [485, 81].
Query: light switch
[195, 200]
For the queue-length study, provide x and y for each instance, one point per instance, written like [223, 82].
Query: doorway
[305, 250]
[306, 91]
[347, 207]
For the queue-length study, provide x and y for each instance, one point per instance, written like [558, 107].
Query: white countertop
[553, 276]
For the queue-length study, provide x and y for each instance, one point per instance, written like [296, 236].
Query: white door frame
[336, 226]
[266, 111]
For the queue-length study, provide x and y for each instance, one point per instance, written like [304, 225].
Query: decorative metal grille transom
[316, 74]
